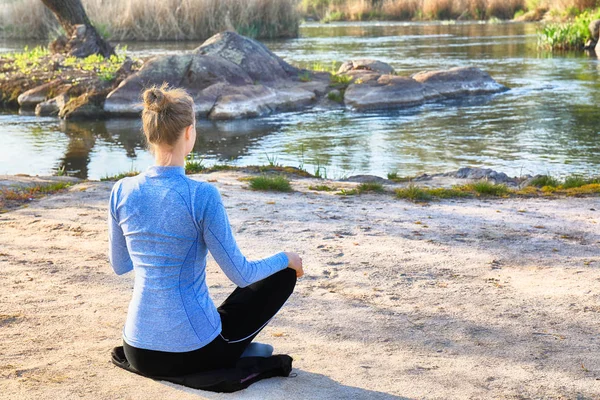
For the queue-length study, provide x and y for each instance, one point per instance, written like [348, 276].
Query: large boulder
[366, 65]
[457, 82]
[32, 97]
[253, 57]
[371, 90]
[229, 76]
[126, 98]
[388, 91]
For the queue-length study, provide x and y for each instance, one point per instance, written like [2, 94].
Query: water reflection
[548, 122]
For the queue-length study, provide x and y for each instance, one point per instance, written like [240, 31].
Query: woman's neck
[168, 158]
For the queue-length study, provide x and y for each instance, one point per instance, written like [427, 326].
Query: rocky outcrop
[231, 76]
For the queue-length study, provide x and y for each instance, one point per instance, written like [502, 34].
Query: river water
[548, 122]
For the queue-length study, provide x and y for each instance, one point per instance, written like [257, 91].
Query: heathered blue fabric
[161, 225]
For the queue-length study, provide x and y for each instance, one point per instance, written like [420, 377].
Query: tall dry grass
[159, 19]
[351, 10]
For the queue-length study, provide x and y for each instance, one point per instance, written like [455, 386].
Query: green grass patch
[11, 197]
[366, 187]
[193, 166]
[270, 183]
[485, 188]
[321, 188]
[570, 35]
[347, 192]
[544, 180]
[336, 95]
[120, 176]
[413, 193]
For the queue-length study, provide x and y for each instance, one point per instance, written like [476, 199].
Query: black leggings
[243, 315]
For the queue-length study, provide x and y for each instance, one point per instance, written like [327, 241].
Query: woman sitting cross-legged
[162, 225]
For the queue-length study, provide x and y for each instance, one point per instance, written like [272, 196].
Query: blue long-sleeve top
[161, 225]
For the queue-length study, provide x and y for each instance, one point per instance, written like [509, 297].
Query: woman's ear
[188, 132]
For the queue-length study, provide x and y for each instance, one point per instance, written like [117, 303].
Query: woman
[162, 224]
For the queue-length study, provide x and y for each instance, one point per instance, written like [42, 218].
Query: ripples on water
[547, 123]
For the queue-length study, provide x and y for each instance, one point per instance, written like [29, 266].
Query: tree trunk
[82, 38]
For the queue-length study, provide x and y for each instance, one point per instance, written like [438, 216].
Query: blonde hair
[167, 111]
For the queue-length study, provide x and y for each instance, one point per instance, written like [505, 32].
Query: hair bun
[154, 99]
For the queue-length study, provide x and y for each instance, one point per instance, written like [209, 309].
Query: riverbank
[455, 299]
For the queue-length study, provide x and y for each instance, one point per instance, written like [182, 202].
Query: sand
[458, 299]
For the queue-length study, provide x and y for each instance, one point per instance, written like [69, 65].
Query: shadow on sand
[305, 385]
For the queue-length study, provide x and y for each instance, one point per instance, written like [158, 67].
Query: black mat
[246, 371]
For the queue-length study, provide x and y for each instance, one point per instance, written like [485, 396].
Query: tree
[82, 38]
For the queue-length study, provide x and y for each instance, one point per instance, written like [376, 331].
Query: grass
[367, 187]
[159, 20]
[337, 96]
[12, 197]
[404, 10]
[36, 61]
[192, 166]
[544, 180]
[270, 183]
[413, 193]
[119, 176]
[570, 35]
[321, 188]
[486, 188]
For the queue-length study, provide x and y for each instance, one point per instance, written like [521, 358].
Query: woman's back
[160, 213]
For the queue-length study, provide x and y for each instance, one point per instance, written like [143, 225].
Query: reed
[159, 19]
[358, 10]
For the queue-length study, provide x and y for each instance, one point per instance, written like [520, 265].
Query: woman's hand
[295, 263]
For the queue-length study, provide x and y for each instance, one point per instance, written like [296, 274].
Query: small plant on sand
[270, 183]
[370, 187]
[347, 192]
[321, 188]
[120, 175]
[413, 193]
[486, 188]
[574, 181]
[11, 197]
[192, 166]
[544, 180]
[320, 171]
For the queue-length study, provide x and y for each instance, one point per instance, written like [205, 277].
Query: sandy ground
[459, 299]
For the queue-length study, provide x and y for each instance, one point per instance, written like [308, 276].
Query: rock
[86, 106]
[365, 179]
[253, 101]
[594, 28]
[52, 106]
[483, 173]
[389, 91]
[229, 76]
[126, 98]
[39, 94]
[250, 55]
[457, 82]
[370, 65]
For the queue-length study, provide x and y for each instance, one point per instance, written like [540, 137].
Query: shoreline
[452, 299]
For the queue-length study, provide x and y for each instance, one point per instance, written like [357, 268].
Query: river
[548, 122]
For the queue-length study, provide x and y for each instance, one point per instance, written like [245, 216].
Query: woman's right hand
[295, 263]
